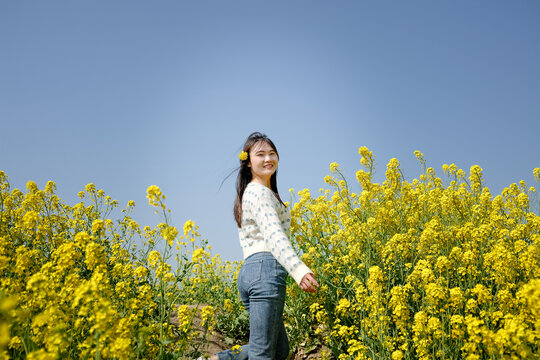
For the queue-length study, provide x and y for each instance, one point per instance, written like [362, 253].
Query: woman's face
[263, 161]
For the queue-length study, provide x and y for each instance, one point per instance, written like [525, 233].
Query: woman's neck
[262, 182]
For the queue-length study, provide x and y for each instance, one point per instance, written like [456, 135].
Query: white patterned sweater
[266, 225]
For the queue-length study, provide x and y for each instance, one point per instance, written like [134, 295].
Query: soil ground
[215, 342]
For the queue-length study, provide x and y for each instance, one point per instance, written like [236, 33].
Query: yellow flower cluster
[435, 267]
[422, 269]
[75, 284]
[155, 196]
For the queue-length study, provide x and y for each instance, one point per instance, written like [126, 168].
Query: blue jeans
[261, 283]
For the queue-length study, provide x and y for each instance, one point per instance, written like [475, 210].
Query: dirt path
[215, 342]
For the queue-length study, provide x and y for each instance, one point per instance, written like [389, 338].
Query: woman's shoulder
[256, 190]
[260, 192]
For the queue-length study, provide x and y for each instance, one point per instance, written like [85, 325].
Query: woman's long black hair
[244, 174]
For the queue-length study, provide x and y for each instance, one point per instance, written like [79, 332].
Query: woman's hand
[309, 283]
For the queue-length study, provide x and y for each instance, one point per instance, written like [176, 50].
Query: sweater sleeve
[267, 219]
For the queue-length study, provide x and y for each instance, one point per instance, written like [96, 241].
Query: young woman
[263, 227]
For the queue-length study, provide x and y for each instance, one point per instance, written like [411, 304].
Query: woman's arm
[264, 211]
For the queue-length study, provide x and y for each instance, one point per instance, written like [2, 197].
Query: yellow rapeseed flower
[154, 195]
[243, 155]
[198, 255]
[188, 225]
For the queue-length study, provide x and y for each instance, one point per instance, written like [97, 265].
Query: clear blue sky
[126, 94]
